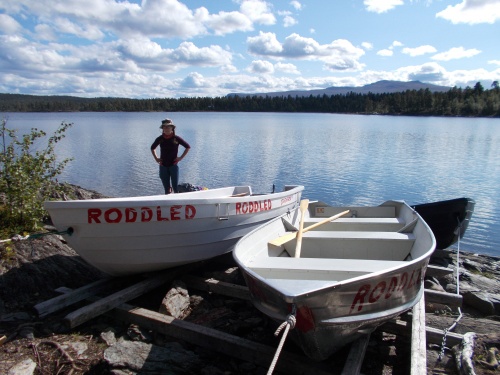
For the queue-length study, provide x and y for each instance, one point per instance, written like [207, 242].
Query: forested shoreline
[468, 102]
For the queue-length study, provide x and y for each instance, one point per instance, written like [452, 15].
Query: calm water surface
[340, 159]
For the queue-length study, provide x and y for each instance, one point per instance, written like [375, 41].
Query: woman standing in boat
[168, 160]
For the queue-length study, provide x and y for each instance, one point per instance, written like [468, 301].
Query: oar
[290, 236]
[304, 203]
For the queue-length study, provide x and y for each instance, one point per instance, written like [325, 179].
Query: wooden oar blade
[304, 204]
[280, 241]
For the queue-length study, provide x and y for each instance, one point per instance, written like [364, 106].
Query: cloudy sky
[198, 48]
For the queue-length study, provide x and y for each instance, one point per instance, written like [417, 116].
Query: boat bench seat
[323, 265]
[354, 245]
[384, 224]
[358, 212]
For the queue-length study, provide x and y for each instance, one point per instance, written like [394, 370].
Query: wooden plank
[60, 302]
[221, 342]
[433, 335]
[436, 271]
[356, 356]
[290, 236]
[418, 339]
[209, 338]
[97, 308]
[216, 286]
[449, 299]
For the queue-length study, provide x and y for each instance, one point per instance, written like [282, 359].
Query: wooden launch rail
[115, 305]
[211, 339]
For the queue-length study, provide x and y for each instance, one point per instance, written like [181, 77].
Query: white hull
[123, 236]
[352, 274]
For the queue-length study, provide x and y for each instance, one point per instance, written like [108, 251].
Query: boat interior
[365, 240]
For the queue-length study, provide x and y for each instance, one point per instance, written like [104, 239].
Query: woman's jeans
[167, 174]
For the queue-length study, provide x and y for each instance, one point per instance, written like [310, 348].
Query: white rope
[289, 323]
[455, 322]
[16, 238]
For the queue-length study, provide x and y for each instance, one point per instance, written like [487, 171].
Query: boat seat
[354, 245]
[358, 212]
[361, 266]
[389, 224]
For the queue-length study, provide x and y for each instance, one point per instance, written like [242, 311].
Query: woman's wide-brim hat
[167, 122]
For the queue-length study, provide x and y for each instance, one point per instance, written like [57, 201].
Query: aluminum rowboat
[353, 273]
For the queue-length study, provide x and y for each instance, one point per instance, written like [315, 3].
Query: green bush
[27, 177]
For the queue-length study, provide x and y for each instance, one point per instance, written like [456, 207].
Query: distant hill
[379, 87]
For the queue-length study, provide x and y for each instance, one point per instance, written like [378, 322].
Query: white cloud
[66, 26]
[93, 19]
[381, 6]
[338, 55]
[193, 80]
[188, 52]
[266, 67]
[419, 51]
[367, 46]
[229, 22]
[140, 48]
[456, 53]
[45, 32]
[385, 52]
[265, 44]
[258, 11]
[9, 25]
[472, 12]
[18, 53]
[429, 72]
[261, 67]
[286, 68]
[288, 19]
[297, 5]
[395, 44]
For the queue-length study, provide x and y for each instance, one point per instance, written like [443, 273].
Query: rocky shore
[32, 270]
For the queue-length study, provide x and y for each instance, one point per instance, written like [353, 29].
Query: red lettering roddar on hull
[385, 289]
[140, 215]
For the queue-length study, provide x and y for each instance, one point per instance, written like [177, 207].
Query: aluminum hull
[352, 274]
[122, 236]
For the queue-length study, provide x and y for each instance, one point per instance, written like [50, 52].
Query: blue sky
[198, 48]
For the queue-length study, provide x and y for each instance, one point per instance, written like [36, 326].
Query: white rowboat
[122, 236]
[352, 274]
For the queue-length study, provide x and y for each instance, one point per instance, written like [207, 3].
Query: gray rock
[480, 301]
[433, 284]
[136, 333]
[25, 367]
[472, 265]
[176, 302]
[150, 359]
[109, 337]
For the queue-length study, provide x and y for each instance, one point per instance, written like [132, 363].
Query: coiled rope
[18, 237]
[455, 322]
[288, 324]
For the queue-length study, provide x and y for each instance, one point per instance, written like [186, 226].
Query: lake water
[340, 159]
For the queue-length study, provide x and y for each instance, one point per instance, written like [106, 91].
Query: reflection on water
[340, 159]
